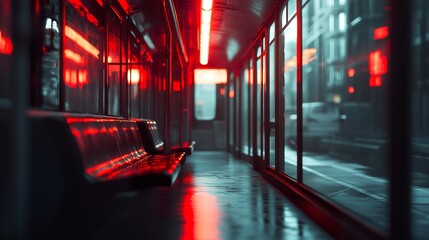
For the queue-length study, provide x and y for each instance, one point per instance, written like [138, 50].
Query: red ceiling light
[206, 15]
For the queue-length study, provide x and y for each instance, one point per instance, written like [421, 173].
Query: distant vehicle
[320, 120]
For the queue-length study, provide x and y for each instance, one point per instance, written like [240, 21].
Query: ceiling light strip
[206, 15]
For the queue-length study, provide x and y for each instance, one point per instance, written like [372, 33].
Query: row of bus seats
[78, 160]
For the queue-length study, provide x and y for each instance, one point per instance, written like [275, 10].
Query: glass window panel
[250, 110]
[83, 58]
[114, 67]
[205, 101]
[271, 83]
[420, 120]
[231, 98]
[290, 97]
[344, 112]
[245, 112]
[135, 78]
[272, 32]
[291, 9]
[342, 22]
[284, 17]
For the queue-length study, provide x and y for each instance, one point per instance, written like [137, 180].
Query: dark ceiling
[235, 24]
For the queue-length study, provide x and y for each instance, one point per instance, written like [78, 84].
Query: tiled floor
[215, 197]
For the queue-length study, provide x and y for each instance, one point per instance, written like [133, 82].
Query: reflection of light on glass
[6, 46]
[210, 76]
[176, 86]
[73, 56]
[351, 72]
[381, 32]
[377, 66]
[232, 49]
[51, 24]
[336, 98]
[148, 41]
[79, 6]
[201, 216]
[75, 78]
[222, 91]
[231, 94]
[81, 41]
[272, 32]
[308, 55]
[124, 4]
[133, 76]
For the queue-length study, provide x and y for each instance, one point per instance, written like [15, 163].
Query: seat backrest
[106, 143]
[152, 141]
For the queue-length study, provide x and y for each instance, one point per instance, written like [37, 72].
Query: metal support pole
[169, 79]
[299, 91]
[16, 204]
[399, 153]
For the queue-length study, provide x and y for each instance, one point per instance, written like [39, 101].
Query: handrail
[177, 30]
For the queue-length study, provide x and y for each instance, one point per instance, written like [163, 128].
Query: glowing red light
[375, 81]
[308, 55]
[133, 76]
[381, 32]
[351, 89]
[222, 91]
[79, 6]
[75, 78]
[143, 79]
[82, 77]
[81, 41]
[75, 57]
[231, 94]
[176, 86]
[377, 63]
[6, 46]
[124, 4]
[377, 66]
[351, 72]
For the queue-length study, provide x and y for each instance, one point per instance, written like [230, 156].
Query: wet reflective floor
[215, 197]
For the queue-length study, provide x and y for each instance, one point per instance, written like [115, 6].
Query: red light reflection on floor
[201, 215]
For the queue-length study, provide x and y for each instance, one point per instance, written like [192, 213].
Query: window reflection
[83, 58]
[420, 118]
[289, 37]
[344, 105]
[271, 86]
[114, 66]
